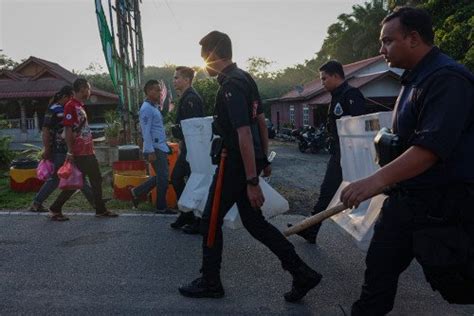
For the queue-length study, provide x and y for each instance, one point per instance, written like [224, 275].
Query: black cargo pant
[392, 247]
[234, 190]
[180, 172]
[332, 181]
[89, 166]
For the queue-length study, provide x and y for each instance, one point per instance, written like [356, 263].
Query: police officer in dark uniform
[240, 121]
[190, 105]
[345, 100]
[428, 213]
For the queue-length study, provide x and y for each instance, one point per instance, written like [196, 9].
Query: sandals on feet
[37, 208]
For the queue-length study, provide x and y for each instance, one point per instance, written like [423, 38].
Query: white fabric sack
[197, 134]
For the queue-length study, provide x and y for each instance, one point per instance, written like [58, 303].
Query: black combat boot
[309, 233]
[304, 279]
[203, 287]
[184, 218]
[193, 228]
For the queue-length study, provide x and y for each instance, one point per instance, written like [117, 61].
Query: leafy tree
[6, 62]
[394, 3]
[454, 28]
[258, 67]
[101, 81]
[354, 36]
[6, 154]
[453, 22]
[207, 88]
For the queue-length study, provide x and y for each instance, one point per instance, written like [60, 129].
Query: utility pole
[124, 57]
[130, 50]
[139, 41]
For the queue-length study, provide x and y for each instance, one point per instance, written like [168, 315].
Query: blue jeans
[52, 183]
[160, 181]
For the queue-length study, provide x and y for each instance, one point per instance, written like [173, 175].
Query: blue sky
[284, 31]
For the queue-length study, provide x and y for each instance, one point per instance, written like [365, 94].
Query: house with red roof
[308, 104]
[26, 90]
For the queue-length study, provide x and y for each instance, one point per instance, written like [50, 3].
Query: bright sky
[66, 32]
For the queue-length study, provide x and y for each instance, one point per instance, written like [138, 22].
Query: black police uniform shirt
[53, 120]
[346, 100]
[190, 105]
[238, 104]
[435, 110]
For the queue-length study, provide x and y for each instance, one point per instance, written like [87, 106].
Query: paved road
[133, 264]
[297, 176]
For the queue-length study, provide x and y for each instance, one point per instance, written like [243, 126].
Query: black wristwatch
[253, 181]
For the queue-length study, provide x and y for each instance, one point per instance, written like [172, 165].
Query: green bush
[114, 125]
[32, 152]
[6, 155]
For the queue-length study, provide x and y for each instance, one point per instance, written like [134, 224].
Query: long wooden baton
[216, 201]
[313, 220]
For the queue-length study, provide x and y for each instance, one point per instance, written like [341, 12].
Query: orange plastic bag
[75, 181]
[66, 170]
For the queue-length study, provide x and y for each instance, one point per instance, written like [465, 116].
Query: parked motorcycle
[310, 138]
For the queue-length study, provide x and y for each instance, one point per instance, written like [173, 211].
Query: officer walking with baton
[239, 120]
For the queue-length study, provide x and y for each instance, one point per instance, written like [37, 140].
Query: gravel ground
[297, 176]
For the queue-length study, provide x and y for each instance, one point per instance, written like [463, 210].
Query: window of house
[292, 114]
[305, 115]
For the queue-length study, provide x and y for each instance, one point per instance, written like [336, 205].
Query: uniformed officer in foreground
[428, 213]
[190, 105]
[345, 100]
[240, 121]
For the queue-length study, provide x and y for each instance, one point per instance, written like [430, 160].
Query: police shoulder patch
[338, 109]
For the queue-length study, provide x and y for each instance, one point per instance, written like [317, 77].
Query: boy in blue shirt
[155, 148]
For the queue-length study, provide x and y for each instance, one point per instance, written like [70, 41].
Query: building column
[24, 132]
[36, 120]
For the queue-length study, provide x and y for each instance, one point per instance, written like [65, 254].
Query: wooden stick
[216, 202]
[315, 219]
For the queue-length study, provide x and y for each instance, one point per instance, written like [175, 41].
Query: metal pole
[111, 21]
[122, 53]
[139, 54]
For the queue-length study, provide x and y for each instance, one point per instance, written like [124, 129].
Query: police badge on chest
[338, 111]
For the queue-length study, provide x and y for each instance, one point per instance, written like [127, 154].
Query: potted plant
[113, 128]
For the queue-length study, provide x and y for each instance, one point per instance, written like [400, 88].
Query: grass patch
[10, 200]
[13, 200]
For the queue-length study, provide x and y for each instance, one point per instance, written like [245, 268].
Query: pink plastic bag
[45, 170]
[74, 182]
[66, 170]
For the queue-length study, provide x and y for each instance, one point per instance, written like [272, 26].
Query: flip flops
[37, 208]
